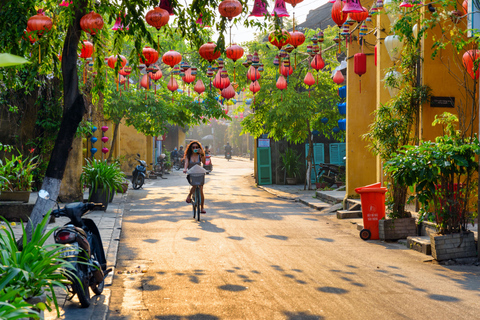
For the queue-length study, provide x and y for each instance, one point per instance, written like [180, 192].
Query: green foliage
[100, 174]
[17, 173]
[443, 173]
[31, 271]
[291, 163]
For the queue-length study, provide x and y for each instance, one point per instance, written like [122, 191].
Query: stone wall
[453, 246]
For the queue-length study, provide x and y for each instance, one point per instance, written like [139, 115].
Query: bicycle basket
[197, 179]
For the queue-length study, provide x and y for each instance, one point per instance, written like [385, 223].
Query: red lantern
[171, 58]
[145, 82]
[112, 61]
[208, 51]
[199, 86]
[293, 2]
[279, 40]
[317, 62]
[234, 52]
[172, 85]
[296, 38]
[219, 82]
[360, 65]
[253, 74]
[281, 84]
[337, 13]
[465, 6]
[338, 78]
[359, 16]
[157, 17]
[87, 50]
[189, 77]
[286, 71]
[228, 93]
[39, 23]
[91, 23]
[151, 56]
[309, 81]
[471, 63]
[31, 36]
[125, 71]
[254, 87]
[156, 75]
[230, 8]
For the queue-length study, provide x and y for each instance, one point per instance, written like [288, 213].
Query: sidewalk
[109, 224]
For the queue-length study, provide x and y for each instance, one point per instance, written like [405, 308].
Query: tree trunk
[73, 111]
[308, 179]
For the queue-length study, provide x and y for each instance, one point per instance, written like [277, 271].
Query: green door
[264, 166]
[337, 153]
[318, 158]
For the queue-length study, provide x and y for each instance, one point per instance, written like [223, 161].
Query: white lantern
[394, 47]
[415, 31]
[398, 77]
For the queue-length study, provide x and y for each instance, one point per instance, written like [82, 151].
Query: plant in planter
[16, 177]
[30, 273]
[291, 165]
[443, 175]
[103, 179]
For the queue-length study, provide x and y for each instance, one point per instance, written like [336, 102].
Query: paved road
[254, 256]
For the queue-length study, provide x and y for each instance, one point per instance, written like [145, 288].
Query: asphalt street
[256, 256]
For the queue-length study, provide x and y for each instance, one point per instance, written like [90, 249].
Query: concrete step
[346, 214]
[331, 197]
[353, 204]
[420, 243]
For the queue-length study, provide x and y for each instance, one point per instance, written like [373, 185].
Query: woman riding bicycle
[194, 155]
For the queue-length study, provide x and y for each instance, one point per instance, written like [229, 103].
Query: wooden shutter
[264, 166]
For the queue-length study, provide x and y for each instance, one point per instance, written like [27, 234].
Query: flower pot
[124, 187]
[395, 229]
[21, 196]
[453, 246]
[291, 180]
[320, 185]
[101, 196]
[42, 298]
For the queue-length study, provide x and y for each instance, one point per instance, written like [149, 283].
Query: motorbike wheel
[138, 182]
[97, 288]
[81, 288]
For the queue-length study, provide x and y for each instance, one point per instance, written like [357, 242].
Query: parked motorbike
[83, 249]
[159, 167]
[330, 173]
[208, 163]
[138, 175]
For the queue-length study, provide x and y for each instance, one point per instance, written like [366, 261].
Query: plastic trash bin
[373, 209]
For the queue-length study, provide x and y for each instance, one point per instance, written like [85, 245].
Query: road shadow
[198, 316]
[301, 316]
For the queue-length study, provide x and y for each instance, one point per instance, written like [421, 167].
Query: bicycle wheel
[198, 202]
[194, 205]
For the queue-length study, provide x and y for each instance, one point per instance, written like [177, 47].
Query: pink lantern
[338, 78]
[167, 5]
[259, 9]
[309, 80]
[199, 86]
[219, 82]
[280, 9]
[104, 128]
[228, 93]
[253, 74]
[352, 6]
[254, 87]
[172, 85]
[104, 139]
[281, 84]
[105, 150]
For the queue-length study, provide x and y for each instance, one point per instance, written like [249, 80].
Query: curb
[296, 199]
[115, 241]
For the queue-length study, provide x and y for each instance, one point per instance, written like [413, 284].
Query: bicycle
[196, 180]
[177, 164]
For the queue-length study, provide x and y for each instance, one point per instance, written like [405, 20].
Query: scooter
[228, 155]
[138, 175]
[83, 249]
[208, 163]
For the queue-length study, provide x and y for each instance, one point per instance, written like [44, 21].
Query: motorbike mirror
[138, 155]
[44, 194]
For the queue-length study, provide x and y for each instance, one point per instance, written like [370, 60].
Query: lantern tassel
[84, 71]
[128, 80]
[360, 85]
[309, 92]
[39, 53]
[234, 65]
[295, 60]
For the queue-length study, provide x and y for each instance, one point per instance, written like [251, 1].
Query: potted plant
[16, 178]
[291, 165]
[103, 179]
[30, 275]
[443, 173]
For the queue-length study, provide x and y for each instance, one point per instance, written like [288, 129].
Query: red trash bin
[373, 209]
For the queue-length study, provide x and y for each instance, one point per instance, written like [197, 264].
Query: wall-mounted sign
[264, 143]
[442, 102]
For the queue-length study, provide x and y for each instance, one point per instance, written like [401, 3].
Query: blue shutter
[264, 166]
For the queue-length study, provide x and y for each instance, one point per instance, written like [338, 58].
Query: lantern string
[39, 53]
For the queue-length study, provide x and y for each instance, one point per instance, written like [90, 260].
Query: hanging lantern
[342, 92]
[219, 82]
[338, 16]
[346, 30]
[286, 69]
[363, 30]
[359, 16]
[338, 78]
[209, 52]
[91, 23]
[360, 65]
[259, 9]
[171, 58]
[188, 78]
[87, 49]
[309, 80]
[112, 61]
[281, 84]
[172, 85]
[342, 108]
[465, 6]
[350, 21]
[379, 5]
[293, 2]
[254, 87]
[234, 52]
[145, 81]
[151, 56]
[317, 62]
[324, 120]
[276, 61]
[352, 6]
[296, 38]
[167, 5]
[199, 86]
[397, 76]
[253, 74]
[394, 47]
[230, 9]
[280, 9]
[39, 23]
[31, 35]
[157, 17]
[156, 75]
[471, 63]
[228, 92]
[310, 50]
[279, 40]
[369, 17]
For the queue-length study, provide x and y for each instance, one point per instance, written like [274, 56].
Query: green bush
[291, 163]
[100, 174]
[16, 174]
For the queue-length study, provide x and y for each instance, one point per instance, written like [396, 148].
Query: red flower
[31, 150]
